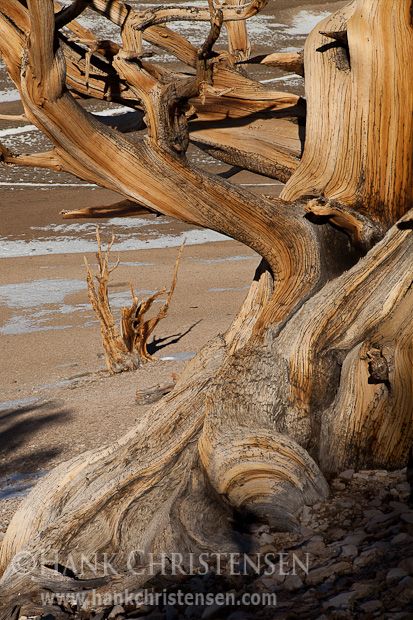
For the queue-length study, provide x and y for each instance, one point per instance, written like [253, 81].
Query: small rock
[364, 589]
[317, 575]
[55, 612]
[338, 534]
[278, 578]
[403, 487]
[398, 506]
[402, 539]
[372, 513]
[381, 473]
[118, 610]
[267, 538]
[292, 582]
[346, 475]
[355, 539]
[381, 546]
[349, 551]
[194, 611]
[304, 531]
[403, 590]
[395, 575]
[407, 517]
[366, 557]
[341, 601]
[361, 476]
[407, 564]
[337, 485]
[212, 610]
[382, 521]
[259, 529]
[371, 606]
[316, 539]
[269, 583]
[171, 612]
[315, 547]
[305, 517]
[376, 502]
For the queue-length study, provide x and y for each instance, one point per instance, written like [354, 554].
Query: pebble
[407, 517]
[396, 574]
[337, 485]
[211, 611]
[171, 612]
[305, 516]
[363, 590]
[267, 538]
[340, 601]
[318, 575]
[355, 539]
[375, 525]
[270, 583]
[118, 610]
[407, 564]
[347, 474]
[402, 539]
[371, 606]
[366, 557]
[292, 582]
[349, 551]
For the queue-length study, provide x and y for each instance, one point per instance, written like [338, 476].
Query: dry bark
[125, 348]
[314, 374]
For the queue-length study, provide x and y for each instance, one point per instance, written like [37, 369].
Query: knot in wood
[378, 367]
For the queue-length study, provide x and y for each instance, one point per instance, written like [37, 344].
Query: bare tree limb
[153, 17]
[49, 160]
[287, 61]
[69, 13]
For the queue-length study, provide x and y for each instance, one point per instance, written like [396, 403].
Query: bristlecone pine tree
[315, 373]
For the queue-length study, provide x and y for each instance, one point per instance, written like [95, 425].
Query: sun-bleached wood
[125, 347]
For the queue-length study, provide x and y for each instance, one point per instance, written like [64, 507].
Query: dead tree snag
[125, 348]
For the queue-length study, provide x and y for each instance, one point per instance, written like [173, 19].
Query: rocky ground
[353, 558]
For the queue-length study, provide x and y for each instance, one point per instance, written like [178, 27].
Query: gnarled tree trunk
[315, 372]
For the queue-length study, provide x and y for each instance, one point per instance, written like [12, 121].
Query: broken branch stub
[125, 348]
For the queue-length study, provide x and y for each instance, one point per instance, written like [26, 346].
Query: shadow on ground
[21, 442]
[159, 343]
